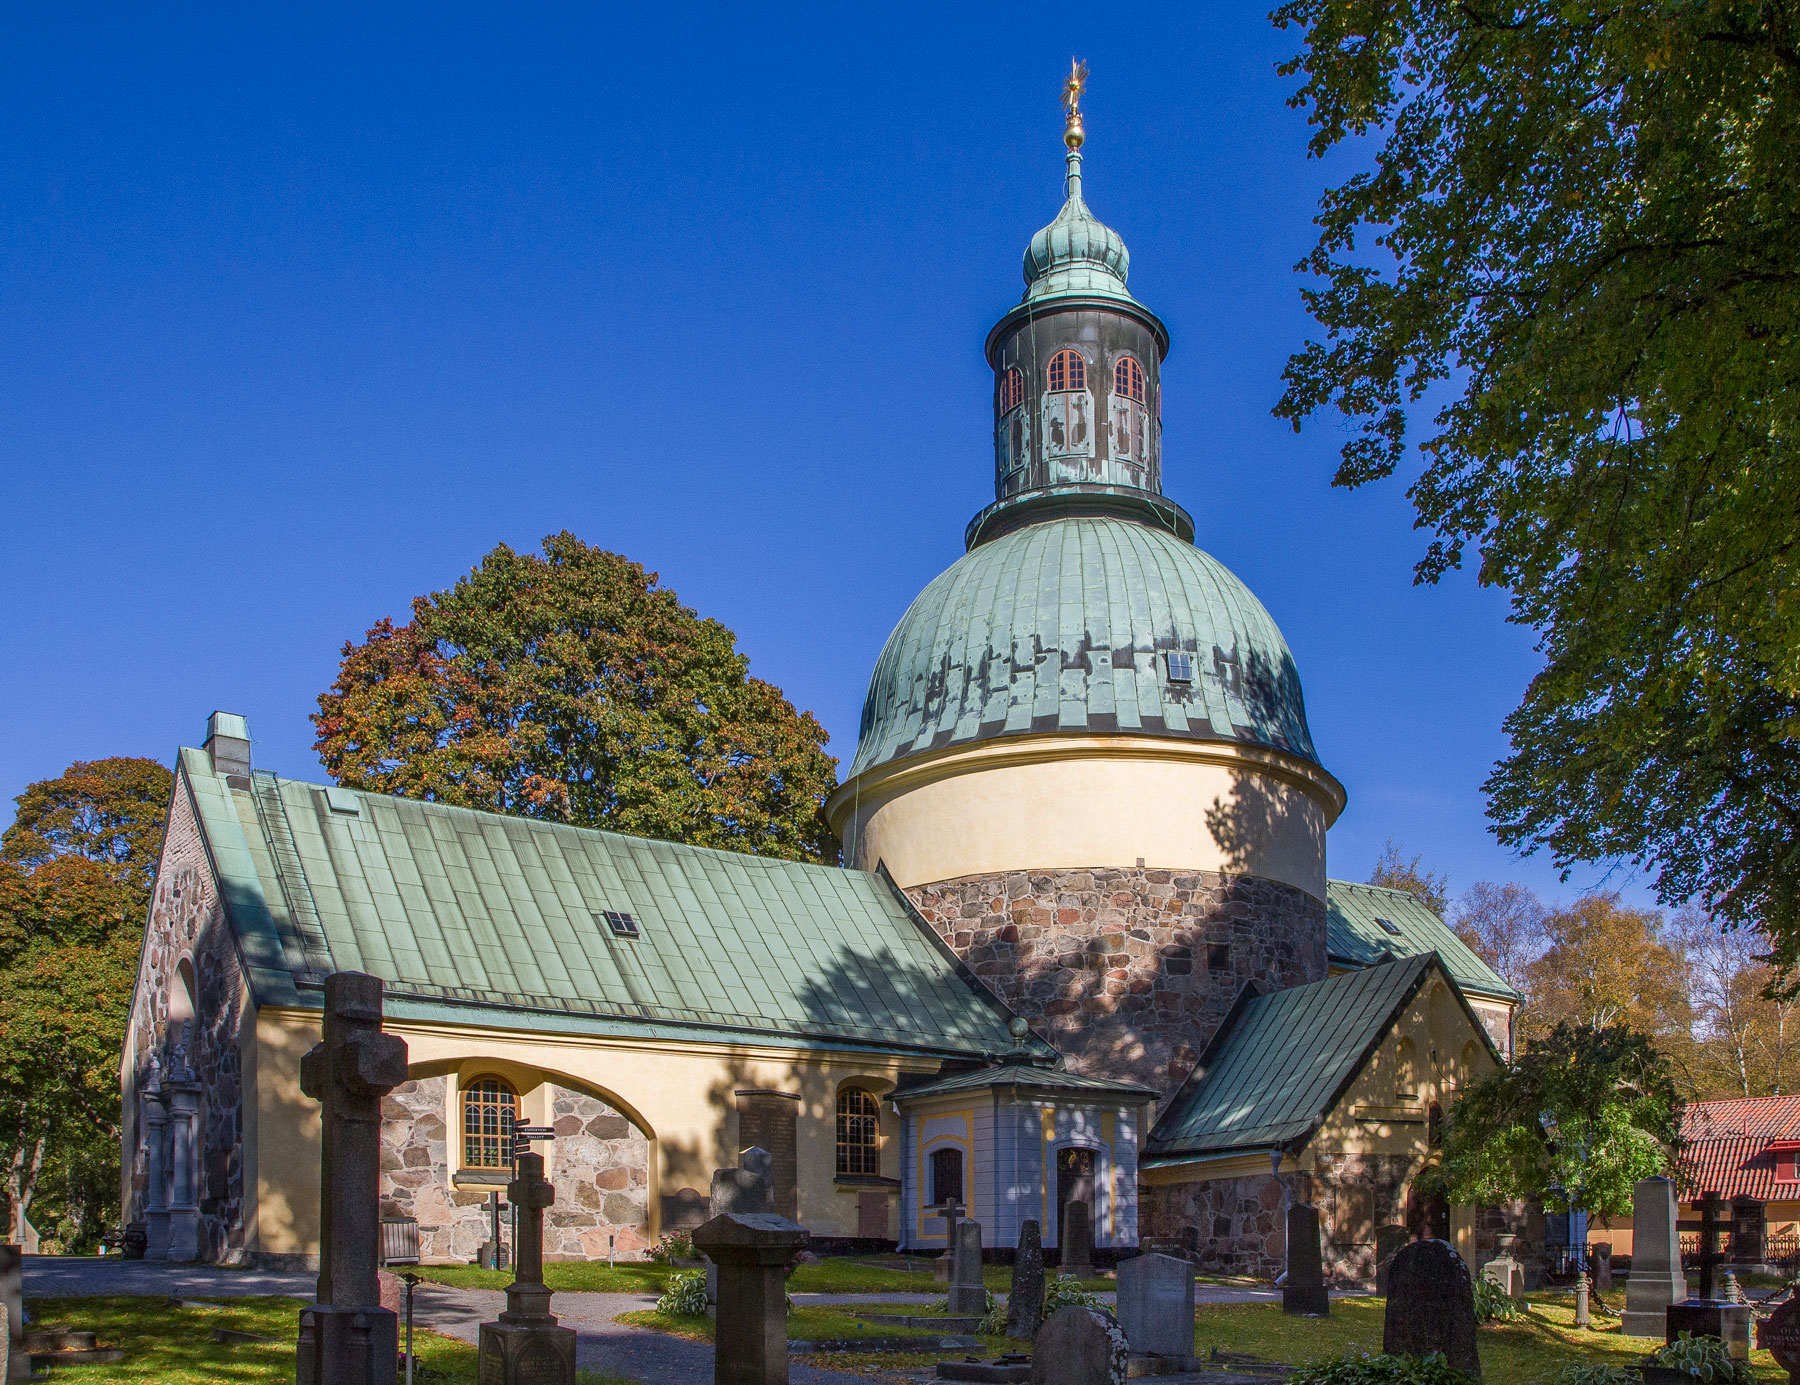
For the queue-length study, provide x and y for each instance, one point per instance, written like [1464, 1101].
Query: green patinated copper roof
[1025, 1076]
[1279, 1062]
[1354, 935]
[1063, 626]
[495, 919]
[1077, 252]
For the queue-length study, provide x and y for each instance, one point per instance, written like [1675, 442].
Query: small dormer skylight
[623, 925]
[1181, 666]
[1391, 928]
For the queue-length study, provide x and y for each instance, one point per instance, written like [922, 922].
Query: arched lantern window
[1068, 372]
[1012, 389]
[1128, 379]
[1131, 424]
[490, 1109]
[858, 1132]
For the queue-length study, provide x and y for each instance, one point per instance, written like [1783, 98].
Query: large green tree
[1578, 251]
[76, 869]
[570, 685]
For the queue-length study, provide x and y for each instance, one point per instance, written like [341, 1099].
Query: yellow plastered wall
[680, 1095]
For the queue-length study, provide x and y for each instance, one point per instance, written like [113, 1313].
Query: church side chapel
[1083, 948]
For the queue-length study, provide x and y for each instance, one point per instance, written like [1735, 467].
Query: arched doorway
[1427, 1215]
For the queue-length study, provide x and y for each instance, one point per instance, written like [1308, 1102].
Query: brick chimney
[228, 743]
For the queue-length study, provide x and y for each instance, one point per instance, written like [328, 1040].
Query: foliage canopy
[1580, 244]
[571, 686]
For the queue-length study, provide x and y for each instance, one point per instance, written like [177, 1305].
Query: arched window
[1067, 372]
[1128, 379]
[858, 1132]
[490, 1109]
[1012, 389]
[946, 1176]
[1131, 427]
[1406, 1070]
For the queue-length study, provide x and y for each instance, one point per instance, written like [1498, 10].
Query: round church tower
[1084, 753]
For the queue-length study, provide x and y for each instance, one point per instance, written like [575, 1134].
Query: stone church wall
[187, 920]
[1128, 972]
[599, 1163]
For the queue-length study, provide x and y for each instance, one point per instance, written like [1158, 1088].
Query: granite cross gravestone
[1025, 1301]
[347, 1337]
[967, 1293]
[1303, 1292]
[1780, 1337]
[526, 1347]
[1080, 1346]
[1077, 1249]
[1156, 1305]
[1656, 1276]
[753, 1251]
[951, 1211]
[1708, 1259]
[1709, 1315]
[1431, 1306]
[12, 1298]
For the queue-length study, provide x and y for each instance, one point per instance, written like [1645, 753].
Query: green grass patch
[804, 1325]
[565, 1276]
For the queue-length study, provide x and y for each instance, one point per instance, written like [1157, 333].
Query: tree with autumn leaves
[570, 685]
[76, 869]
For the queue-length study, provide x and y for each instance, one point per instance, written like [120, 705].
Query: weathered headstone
[1080, 1346]
[1780, 1337]
[1390, 1240]
[950, 1212]
[181, 1091]
[1656, 1275]
[1431, 1306]
[347, 1337]
[967, 1293]
[1156, 1305]
[753, 1251]
[12, 1299]
[526, 1347]
[1025, 1301]
[1710, 1256]
[155, 1113]
[1729, 1322]
[1303, 1292]
[747, 1188]
[1078, 1239]
[1503, 1271]
[1602, 1252]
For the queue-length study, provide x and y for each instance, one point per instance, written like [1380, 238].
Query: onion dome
[1087, 624]
[1077, 252]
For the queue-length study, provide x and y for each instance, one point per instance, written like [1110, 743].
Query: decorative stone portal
[599, 1162]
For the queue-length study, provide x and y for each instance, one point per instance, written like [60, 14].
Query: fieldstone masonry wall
[1229, 1225]
[186, 919]
[599, 1163]
[1128, 972]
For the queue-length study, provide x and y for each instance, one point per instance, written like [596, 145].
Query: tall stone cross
[347, 1337]
[526, 1347]
[1710, 1207]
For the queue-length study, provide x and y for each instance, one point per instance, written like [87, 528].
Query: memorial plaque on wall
[769, 1119]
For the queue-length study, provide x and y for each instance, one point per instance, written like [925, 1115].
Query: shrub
[1064, 1291]
[1360, 1368]
[1704, 1358]
[1593, 1373]
[686, 1295]
[1494, 1304]
[674, 1245]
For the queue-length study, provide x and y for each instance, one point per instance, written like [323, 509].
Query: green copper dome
[1077, 252]
[1067, 625]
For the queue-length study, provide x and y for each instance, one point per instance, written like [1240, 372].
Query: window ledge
[481, 1178]
[865, 1180]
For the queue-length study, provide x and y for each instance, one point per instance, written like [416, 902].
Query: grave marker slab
[1780, 1337]
[1025, 1302]
[1303, 1292]
[1156, 1305]
[967, 1293]
[1080, 1346]
[1431, 1306]
[1656, 1275]
[753, 1251]
[1077, 1247]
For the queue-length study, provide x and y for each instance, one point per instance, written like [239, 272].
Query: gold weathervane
[1073, 86]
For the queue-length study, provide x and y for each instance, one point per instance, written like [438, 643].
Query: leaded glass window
[490, 1110]
[858, 1132]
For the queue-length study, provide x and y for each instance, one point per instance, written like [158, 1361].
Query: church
[1082, 948]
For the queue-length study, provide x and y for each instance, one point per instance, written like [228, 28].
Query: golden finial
[1073, 86]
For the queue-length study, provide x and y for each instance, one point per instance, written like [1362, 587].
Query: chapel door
[1074, 1182]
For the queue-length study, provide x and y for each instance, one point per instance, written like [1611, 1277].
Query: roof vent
[622, 925]
[1390, 928]
[228, 743]
[1181, 666]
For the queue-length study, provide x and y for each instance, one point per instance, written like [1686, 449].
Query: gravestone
[12, 1299]
[1303, 1292]
[1708, 1315]
[1710, 1257]
[1080, 1346]
[181, 1092]
[347, 1337]
[1780, 1337]
[1656, 1276]
[967, 1294]
[1390, 1240]
[1431, 1306]
[156, 1185]
[1504, 1272]
[747, 1188]
[1025, 1301]
[1156, 1305]
[951, 1212]
[753, 1251]
[1602, 1252]
[526, 1347]
[1078, 1240]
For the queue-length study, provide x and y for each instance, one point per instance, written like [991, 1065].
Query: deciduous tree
[1504, 926]
[1746, 1039]
[1578, 248]
[572, 686]
[1395, 872]
[1607, 964]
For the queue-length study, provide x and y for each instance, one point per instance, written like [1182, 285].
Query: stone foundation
[1128, 972]
[1228, 1225]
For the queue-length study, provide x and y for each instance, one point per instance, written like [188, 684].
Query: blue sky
[302, 310]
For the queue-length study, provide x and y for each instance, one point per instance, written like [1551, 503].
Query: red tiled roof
[1728, 1149]
[1760, 1118]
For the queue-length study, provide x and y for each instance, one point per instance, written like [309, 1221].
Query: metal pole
[411, 1279]
[1582, 1318]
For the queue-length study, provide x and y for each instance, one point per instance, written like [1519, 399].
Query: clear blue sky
[303, 311]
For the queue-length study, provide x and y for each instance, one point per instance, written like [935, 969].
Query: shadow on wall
[1260, 810]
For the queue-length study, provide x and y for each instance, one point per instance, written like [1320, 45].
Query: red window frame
[1012, 389]
[1128, 379]
[1068, 372]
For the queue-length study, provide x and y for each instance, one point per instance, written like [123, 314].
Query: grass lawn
[835, 1275]
[804, 1325]
[569, 1276]
[174, 1346]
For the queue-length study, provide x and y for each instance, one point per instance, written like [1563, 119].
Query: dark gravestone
[1780, 1337]
[12, 1298]
[1078, 1240]
[753, 1251]
[347, 1337]
[1603, 1254]
[1156, 1305]
[1080, 1346]
[1656, 1279]
[1390, 1240]
[744, 1189]
[1025, 1303]
[1431, 1306]
[526, 1347]
[967, 1294]
[1303, 1291]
